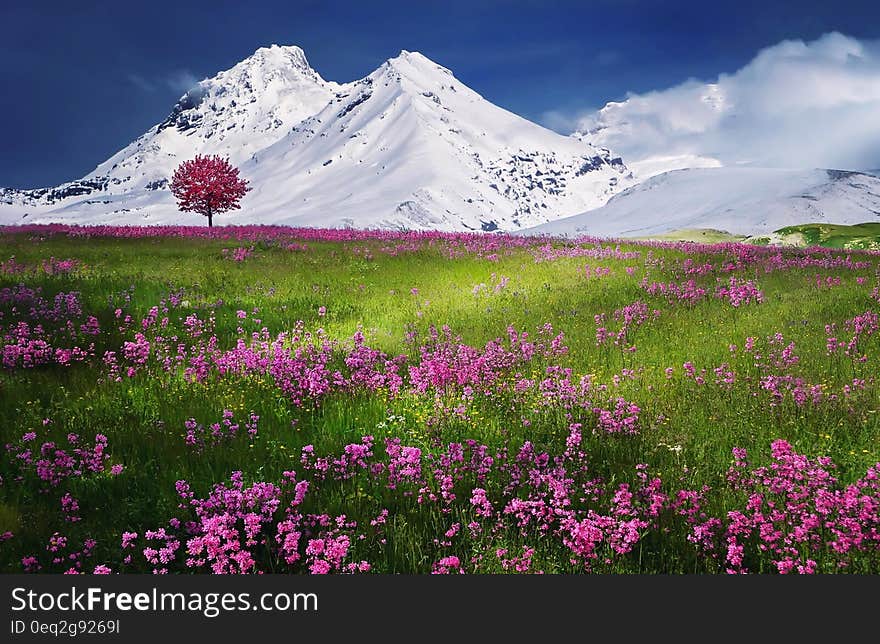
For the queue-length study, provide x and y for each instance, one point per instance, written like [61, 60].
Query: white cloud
[181, 80]
[796, 104]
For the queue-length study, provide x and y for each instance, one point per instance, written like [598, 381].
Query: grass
[856, 237]
[687, 430]
[698, 235]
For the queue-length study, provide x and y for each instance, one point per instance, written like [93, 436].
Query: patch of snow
[738, 200]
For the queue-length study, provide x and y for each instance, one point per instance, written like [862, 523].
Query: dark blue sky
[82, 79]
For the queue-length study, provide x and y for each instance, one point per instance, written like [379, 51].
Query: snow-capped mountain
[234, 113]
[411, 146]
[738, 200]
[408, 146]
[705, 156]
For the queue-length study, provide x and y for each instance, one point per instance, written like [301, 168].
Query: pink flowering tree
[208, 185]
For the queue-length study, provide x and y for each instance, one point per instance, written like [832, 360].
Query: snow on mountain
[408, 146]
[795, 105]
[234, 113]
[738, 200]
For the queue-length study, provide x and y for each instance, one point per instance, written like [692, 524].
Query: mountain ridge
[444, 156]
[409, 146]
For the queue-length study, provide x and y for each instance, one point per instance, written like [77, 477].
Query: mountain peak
[415, 61]
[234, 113]
[280, 55]
[274, 60]
[413, 55]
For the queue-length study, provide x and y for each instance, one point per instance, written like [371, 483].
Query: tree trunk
[210, 220]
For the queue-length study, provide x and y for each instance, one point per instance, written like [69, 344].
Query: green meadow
[705, 372]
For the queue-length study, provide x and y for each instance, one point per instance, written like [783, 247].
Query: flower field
[275, 400]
